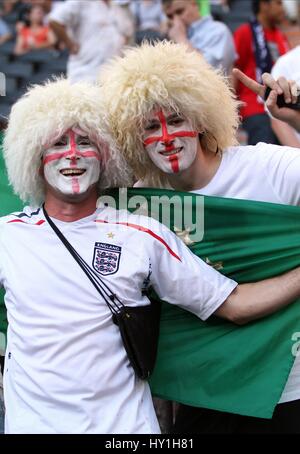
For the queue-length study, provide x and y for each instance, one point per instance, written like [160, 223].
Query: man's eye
[61, 143]
[176, 121]
[152, 127]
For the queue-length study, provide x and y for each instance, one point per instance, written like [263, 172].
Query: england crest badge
[106, 258]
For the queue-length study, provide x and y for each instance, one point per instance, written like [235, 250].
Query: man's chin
[73, 197]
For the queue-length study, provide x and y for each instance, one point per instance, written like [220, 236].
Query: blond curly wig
[42, 115]
[170, 76]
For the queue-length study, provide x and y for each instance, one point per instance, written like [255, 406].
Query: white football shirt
[66, 368]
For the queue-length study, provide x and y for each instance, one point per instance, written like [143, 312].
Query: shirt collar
[198, 24]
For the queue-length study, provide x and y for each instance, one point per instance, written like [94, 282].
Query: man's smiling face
[72, 164]
[170, 141]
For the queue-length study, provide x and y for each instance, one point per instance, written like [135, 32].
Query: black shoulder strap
[261, 49]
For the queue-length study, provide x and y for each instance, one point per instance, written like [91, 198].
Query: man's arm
[62, 35]
[181, 278]
[286, 135]
[289, 90]
[249, 302]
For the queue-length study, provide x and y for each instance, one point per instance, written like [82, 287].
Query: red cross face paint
[72, 163]
[170, 141]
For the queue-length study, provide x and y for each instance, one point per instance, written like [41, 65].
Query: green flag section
[8, 203]
[216, 364]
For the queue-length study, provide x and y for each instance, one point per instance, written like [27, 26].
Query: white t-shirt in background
[265, 173]
[95, 26]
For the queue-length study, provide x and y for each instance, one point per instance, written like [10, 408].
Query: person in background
[179, 132]
[259, 43]
[289, 88]
[287, 66]
[36, 35]
[211, 38]
[93, 31]
[5, 33]
[151, 23]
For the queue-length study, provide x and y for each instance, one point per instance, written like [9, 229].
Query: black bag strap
[111, 299]
[262, 52]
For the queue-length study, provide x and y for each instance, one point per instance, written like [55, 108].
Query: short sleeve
[181, 278]
[67, 13]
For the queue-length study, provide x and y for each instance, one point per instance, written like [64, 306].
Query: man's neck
[199, 174]
[70, 211]
[265, 22]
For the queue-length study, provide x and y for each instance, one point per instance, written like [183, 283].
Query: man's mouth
[72, 172]
[172, 152]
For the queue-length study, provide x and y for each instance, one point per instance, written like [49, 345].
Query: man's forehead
[177, 4]
[74, 129]
[158, 111]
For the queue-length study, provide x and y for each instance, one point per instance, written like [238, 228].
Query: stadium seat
[3, 60]
[11, 85]
[7, 48]
[16, 69]
[5, 109]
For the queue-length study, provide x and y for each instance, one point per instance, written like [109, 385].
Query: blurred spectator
[36, 35]
[221, 5]
[211, 38]
[93, 31]
[5, 34]
[287, 66]
[151, 23]
[292, 9]
[10, 6]
[259, 43]
[24, 11]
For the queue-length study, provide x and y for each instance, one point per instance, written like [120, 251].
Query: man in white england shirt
[174, 119]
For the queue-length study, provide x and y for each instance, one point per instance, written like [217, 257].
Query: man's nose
[74, 154]
[167, 140]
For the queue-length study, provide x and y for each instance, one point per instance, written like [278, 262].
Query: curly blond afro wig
[171, 76]
[39, 118]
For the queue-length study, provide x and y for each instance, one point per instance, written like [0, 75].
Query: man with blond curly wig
[174, 119]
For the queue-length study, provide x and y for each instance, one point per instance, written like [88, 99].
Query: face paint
[72, 164]
[170, 141]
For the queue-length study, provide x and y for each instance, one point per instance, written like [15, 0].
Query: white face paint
[170, 141]
[72, 164]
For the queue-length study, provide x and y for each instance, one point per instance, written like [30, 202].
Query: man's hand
[62, 36]
[177, 30]
[73, 48]
[287, 88]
